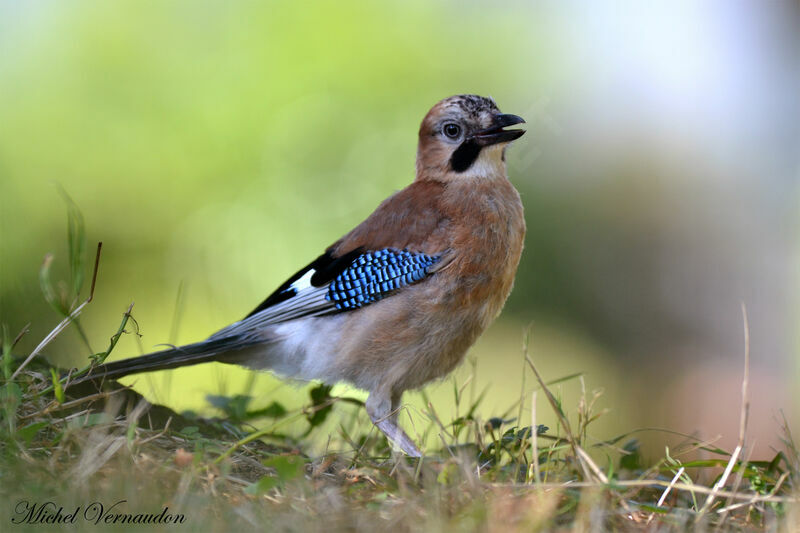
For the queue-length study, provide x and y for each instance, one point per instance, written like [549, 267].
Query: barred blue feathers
[374, 275]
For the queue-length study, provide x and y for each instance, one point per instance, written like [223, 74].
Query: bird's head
[464, 136]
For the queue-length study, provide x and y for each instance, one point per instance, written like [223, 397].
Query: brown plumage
[478, 225]
[461, 210]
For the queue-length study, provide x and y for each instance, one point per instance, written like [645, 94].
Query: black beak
[496, 134]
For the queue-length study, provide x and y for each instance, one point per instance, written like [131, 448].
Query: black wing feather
[326, 269]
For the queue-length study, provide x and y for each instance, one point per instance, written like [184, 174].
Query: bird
[396, 302]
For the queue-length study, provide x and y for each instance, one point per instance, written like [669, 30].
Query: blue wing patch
[373, 275]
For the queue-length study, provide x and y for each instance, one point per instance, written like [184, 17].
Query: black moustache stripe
[465, 155]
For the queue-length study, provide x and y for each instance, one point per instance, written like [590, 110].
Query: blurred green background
[217, 147]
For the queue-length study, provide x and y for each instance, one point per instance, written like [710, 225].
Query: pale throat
[489, 164]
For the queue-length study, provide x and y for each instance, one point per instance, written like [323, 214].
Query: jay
[397, 301]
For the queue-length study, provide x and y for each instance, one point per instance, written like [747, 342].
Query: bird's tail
[219, 349]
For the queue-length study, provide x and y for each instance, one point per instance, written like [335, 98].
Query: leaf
[633, 459]
[495, 422]
[273, 410]
[234, 407]
[562, 379]
[10, 397]
[478, 400]
[706, 463]
[13, 392]
[130, 434]
[76, 245]
[774, 465]
[28, 432]
[320, 395]
[57, 389]
[6, 354]
[47, 287]
[377, 501]
[261, 486]
[92, 419]
[288, 467]
[220, 402]
[459, 423]
[448, 474]
[76, 252]
[653, 508]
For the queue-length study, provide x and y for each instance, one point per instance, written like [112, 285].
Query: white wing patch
[304, 300]
[370, 277]
[304, 282]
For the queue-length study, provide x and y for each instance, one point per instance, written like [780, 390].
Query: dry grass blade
[535, 442]
[25, 329]
[669, 487]
[66, 322]
[55, 406]
[632, 483]
[591, 464]
[257, 468]
[742, 422]
[753, 500]
[664, 494]
[102, 444]
[561, 418]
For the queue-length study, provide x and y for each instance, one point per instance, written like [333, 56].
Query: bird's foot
[398, 436]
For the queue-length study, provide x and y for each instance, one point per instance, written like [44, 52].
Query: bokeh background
[216, 147]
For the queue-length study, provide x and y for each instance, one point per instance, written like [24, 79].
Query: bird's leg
[394, 416]
[382, 409]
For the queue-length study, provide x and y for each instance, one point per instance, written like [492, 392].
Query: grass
[112, 455]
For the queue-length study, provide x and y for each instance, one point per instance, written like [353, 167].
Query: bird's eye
[452, 130]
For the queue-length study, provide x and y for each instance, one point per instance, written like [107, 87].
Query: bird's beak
[496, 134]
